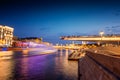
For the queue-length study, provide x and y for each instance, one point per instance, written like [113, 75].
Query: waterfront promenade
[100, 63]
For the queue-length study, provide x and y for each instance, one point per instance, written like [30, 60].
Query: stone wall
[95, 66]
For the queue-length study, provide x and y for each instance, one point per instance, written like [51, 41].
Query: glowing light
[101, 33]
[25, 52]
[6, 54]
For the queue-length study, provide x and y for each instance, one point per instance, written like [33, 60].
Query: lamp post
[101, 34]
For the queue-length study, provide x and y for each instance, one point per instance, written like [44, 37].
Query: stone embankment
[98, 65]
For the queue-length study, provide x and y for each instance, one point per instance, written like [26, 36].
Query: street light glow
[101, 33]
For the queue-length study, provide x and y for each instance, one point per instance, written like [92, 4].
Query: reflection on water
[6, 54]
[6, 69]
[45, 67]
[25, 52]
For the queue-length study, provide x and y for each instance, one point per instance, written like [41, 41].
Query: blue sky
[51, 19]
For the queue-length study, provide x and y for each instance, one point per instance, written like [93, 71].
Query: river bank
[16, 49]
[11, 49]
[19, 48]
[42, 50]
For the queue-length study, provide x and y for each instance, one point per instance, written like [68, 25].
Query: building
[27, 42]
[6, 36]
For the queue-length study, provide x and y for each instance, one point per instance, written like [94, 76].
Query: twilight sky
[51, 19]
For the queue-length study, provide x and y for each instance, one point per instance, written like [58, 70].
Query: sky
[51, 19]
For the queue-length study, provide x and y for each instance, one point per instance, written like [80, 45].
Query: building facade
[6, 35]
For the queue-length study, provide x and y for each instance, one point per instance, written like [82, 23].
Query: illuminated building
[6, 35]
[27, 42]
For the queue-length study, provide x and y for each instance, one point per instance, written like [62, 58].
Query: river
[33, 65]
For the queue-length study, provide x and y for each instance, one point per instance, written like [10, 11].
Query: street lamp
[101, 33]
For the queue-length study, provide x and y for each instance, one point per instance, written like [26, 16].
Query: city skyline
[51, 19]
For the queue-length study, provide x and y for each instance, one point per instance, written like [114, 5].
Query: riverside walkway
[101, 63]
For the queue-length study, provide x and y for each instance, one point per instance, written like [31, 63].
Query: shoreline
[21, 49]
[25, 51]
[11, 49]
[15, 49]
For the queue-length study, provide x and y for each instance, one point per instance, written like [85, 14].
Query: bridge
[92, 38]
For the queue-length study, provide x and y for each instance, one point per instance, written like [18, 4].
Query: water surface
[26, 65]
